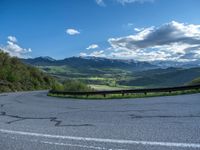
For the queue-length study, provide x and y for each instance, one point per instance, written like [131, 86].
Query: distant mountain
[85, 63]
[167, 64]
[39, 61]
[117, 72]
[163, 77]
[98, 62]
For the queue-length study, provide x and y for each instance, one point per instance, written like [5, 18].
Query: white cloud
[14, 49]
[130, 24]
[100, 2]
[93, 46]
[123, 2]
[94, 54]
[83, 54]
[98, 54]
[171, 41]
[138, 29]
[72, 31]
[12, 39]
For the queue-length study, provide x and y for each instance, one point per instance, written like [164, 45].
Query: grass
[126, 96]
[105, 87]
[57, 69]
[117, 87]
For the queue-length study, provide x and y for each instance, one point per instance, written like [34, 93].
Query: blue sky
[104, 28]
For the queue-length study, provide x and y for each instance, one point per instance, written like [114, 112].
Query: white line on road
[77, 145]
[64, 144]
[151, 143]
[74, 145]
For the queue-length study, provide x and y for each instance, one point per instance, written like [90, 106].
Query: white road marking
[68, 144]
[73, 145]
[63, 144]
[151, 143]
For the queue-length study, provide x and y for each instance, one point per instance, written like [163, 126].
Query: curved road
[31, 120]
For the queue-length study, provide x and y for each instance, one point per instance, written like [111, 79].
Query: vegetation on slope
[195, 81]
[162, 77]
[16, 76]
[106, 74]
[72, 86]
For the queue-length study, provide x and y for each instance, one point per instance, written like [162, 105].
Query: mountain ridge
[115, 72]
[95, 62]
[48, 61]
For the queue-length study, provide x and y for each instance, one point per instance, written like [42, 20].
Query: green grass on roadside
[118, 87]
[126, 96]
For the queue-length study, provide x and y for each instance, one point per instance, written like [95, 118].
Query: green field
[113, 78]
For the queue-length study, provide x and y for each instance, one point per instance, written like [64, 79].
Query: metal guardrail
[132, 91]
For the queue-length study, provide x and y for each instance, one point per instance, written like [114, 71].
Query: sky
[144, 30]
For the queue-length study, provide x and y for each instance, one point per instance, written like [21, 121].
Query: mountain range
[106, 62]
[91, 62]
[117, 72]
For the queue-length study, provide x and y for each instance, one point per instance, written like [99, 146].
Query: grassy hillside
[195, 81]
[16, 76]
[162, 77]
[107, 74]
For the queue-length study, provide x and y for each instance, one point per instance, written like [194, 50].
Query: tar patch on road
[133, 116]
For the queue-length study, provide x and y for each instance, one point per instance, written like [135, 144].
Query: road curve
[31, 120]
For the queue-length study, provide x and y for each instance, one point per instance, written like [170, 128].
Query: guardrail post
[104, 95]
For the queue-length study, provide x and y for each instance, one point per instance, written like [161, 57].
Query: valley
[112, 74]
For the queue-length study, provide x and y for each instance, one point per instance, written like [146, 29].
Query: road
[34, 121]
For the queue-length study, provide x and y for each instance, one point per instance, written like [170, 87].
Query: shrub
[57, 86]
[195, 81]
[19, 76]
[76, 86]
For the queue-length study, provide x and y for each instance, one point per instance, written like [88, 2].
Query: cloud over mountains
[174, 41]
[171, 41]
[13, 48]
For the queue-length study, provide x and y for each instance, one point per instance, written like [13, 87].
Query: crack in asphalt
[2, 105]
[133, 116]
[58, 123]
[114, 111]
[3, 95]
[137, 110]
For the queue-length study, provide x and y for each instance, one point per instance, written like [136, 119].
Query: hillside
[195, 81]
[163, 77]
[16, 76]
[103, 73]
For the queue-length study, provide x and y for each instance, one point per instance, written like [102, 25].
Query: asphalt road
[33, 121]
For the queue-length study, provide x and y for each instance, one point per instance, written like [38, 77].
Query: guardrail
[131, 91]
